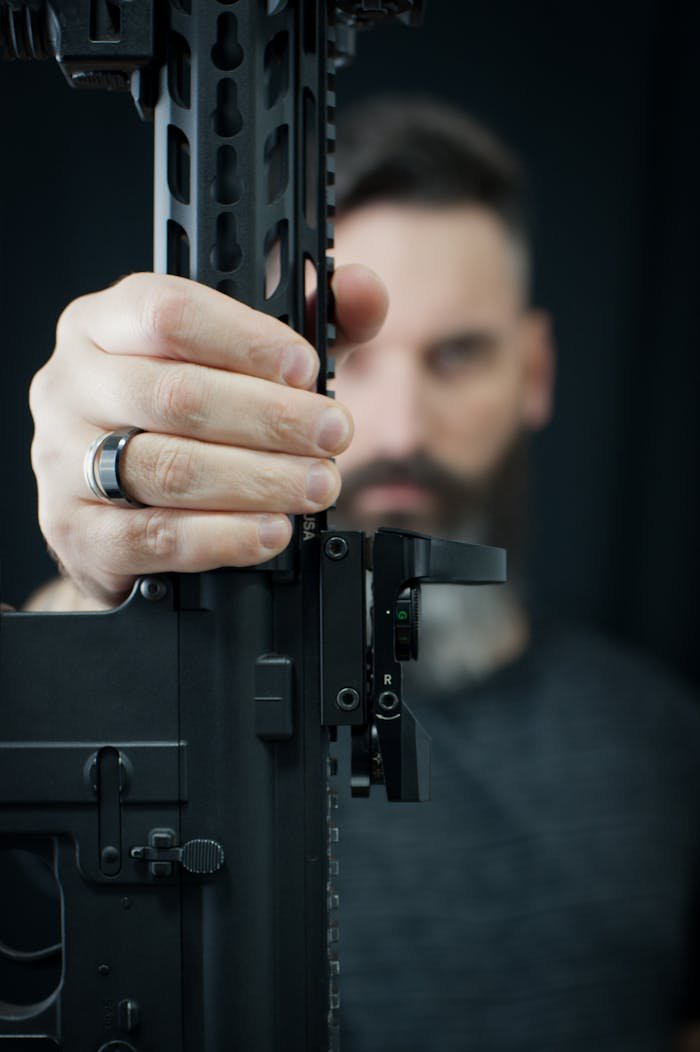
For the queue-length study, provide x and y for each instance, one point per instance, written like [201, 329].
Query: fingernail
[274, 531]
[298, 366]
[333, 431]
[320, 483]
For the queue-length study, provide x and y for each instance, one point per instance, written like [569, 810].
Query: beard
[466, 632]
[490, 508]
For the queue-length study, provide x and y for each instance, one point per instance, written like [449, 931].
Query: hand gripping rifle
[168, 760]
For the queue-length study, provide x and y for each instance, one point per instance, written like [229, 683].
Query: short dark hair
[418, 150]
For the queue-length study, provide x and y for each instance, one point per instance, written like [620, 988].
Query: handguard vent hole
[276, 69]
[178, 250]
[228, 120]
[179, 70]
[229, 288]
[310, 164]
[227, 53]
[276, 258]
[276, 157]
[227, 254]
[178, 164]
[227, 188]
[310, 18]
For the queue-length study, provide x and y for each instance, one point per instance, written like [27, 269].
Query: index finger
[162, 316]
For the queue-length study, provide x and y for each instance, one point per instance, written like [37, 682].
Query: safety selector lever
[201, 857]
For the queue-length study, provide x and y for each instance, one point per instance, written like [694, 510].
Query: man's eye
[456, 355]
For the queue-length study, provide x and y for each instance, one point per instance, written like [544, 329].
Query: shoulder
[615, 690]
[583, 656]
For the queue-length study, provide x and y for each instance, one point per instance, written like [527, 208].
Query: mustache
[421, 470]
[491, 507]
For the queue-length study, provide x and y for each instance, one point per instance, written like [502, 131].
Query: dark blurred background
[601, 103]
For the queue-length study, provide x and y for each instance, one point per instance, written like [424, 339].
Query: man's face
[459, 371]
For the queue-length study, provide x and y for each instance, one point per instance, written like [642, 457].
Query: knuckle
[265, 352]
[174, 470]
[38, 389]
[44, 457]
[52, 384]
[139, 280]
[58, 531]
[63, 323]
[292, 484]
[72, 317]
[45, 451]
[67, 319]
[178, 399]
[164, 311]
[158, 535]
[46, 524]
[283, 417]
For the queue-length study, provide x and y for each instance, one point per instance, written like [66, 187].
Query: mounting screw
[388, 701]
[347, 699]
[103, 969]
[336, 548]
[153, 589]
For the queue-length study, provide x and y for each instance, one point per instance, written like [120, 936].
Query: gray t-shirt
[545, 898]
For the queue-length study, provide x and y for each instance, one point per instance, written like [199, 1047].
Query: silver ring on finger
[102, 467]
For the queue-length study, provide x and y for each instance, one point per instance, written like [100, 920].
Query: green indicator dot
[402, 615]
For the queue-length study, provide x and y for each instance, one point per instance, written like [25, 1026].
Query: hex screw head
[336, 548]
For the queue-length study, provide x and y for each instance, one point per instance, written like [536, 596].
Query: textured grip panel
[202, 857]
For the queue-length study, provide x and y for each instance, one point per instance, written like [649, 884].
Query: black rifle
[168, 760]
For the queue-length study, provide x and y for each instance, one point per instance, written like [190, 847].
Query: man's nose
[397, 420]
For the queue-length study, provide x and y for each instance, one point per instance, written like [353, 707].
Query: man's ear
[538, 369]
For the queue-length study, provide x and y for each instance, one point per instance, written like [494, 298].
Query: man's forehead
[447, 268]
